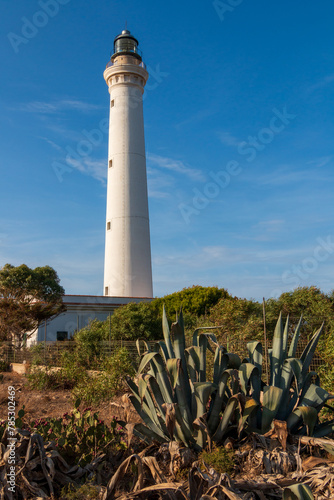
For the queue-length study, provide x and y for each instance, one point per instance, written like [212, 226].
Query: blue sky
[239, 140]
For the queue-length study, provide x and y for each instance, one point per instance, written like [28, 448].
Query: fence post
[265, 340]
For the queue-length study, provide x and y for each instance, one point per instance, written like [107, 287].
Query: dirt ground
[48, 403]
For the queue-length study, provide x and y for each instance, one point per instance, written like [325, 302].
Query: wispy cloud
[196, 118]
[228, 139]
[289, 175]
[52, 143]
[53, 107]
[175, 166]
[93, 168]
[321, 83]
[320, 162]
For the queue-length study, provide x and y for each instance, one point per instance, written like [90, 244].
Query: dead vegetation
[262, 470]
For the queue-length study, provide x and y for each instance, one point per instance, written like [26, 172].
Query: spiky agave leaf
[298, 492]
[271, 400]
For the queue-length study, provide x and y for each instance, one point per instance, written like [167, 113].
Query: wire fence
[50, 353]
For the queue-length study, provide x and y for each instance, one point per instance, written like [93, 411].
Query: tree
[27, 297]
[196, 300]
[135, 321]
[241, 320]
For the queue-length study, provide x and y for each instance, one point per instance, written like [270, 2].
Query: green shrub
[104, 385]
[79, 436]
[195, 300]
[219, 458]
[4, 366]
[47, 379]
[86, 491]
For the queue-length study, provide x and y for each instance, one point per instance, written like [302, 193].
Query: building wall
[81, 309]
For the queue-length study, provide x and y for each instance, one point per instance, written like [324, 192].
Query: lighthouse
[127, 265]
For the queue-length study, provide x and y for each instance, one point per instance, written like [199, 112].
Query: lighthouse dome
[126, 44]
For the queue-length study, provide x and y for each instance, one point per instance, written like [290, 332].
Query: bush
[195, 300]
[219, 458]
[88, 340]
[103, 386]
[135, 321]
[86, 491]
[4, 366]
[79, 436]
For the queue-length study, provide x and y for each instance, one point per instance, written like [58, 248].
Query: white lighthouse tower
[127, 266]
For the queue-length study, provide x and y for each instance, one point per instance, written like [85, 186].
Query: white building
[80, 310]
[127, 272]
[127, 265]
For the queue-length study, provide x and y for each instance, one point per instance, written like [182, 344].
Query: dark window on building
[62, 335]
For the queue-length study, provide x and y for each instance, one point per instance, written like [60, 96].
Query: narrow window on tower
[112, 103]
[108, 226]
[110, 163]
[106, 290]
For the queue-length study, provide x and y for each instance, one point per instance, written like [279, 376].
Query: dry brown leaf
[169, 408]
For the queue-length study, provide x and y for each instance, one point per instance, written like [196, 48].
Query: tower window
[108, 226]
[112, 103]
[106, 290]
[110, 163]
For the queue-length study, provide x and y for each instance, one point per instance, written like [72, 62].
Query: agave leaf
[144, 413]
[226, 418]
[277, 354]
[196, 334]
[309, 350]
[203, 433]
[307, 381]
[147, 358]
[154, 386]
[298, 492]
[250, 407]
[307, 414]
[202, 391]
[271, 400]
[294, 341]
[163, 350]
[230, 360]
[255, 355]
[324, 429]
[166, 332]
[285, 338]
[292, 367]
[146, 402]
[203, 344]
[193, 362]
[146, 347]
[142, 387]
[174, 366]
[217, 368]
[250, 380]
[162, 378]
[177, 331]
[146, 434]
[315, 396]
[215, 410]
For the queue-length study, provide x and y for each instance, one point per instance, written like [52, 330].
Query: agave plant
[293, 393]
[177, 402]
[174, 398]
